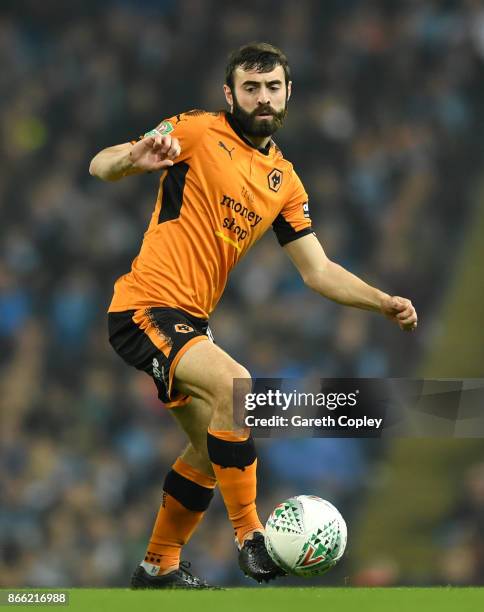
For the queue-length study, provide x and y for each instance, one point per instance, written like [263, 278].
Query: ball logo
[183, 328]
[274, 179]
[312, 557]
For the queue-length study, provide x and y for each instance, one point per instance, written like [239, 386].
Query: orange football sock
[234, 462]
[186, 495]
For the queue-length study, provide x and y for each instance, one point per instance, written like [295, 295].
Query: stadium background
[385, 129]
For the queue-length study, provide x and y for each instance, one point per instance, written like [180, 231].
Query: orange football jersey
[218, 199]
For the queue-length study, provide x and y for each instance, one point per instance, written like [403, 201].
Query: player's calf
[187, 493]
[234, 462]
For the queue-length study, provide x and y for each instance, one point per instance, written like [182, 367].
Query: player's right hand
[154, 153]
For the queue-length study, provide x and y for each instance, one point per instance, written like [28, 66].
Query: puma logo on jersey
[224, 147]
[156, 369]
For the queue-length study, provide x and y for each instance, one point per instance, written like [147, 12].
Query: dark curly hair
[262, 56]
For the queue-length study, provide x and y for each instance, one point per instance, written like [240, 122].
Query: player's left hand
[401, 311]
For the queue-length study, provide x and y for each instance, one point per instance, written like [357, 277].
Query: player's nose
[263, 97]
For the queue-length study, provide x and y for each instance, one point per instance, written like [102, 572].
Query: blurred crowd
[383, 129]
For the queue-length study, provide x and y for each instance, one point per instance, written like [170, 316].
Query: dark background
[385, 129]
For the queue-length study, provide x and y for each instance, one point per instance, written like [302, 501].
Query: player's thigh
[194, 418]
[207, 372]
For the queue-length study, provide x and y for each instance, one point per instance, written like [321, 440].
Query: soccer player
[224, 182]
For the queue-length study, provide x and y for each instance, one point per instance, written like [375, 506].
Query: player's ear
[289, 89]
[228, 96]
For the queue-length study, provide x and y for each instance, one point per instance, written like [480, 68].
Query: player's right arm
[147, 155]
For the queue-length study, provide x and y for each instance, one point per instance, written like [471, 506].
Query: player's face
[259, 100]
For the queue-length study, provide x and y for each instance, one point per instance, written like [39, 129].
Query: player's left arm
[338, 284]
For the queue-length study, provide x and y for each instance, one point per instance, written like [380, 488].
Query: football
[305, 535]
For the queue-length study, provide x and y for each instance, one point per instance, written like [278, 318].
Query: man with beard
[223, 184]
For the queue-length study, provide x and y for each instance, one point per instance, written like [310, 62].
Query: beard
[259, 127]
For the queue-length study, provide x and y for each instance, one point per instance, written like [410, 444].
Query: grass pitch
[443, 599]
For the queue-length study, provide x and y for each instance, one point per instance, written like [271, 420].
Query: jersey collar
[234, 124]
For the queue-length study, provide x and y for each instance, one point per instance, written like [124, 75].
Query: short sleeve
[293, 221]
[187, 127]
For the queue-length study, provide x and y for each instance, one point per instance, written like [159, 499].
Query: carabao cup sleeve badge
[163, 129]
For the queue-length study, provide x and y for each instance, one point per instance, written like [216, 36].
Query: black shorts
[153, 340]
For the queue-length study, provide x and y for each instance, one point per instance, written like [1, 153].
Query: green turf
[445, 599]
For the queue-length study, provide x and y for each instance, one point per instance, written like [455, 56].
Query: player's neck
[260, 142]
